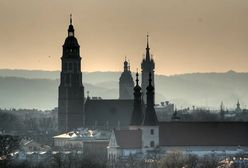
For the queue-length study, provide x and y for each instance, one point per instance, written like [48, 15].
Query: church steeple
[147, 66]
[137, 115]
[71, 105]
[150, 118]
[147, 48]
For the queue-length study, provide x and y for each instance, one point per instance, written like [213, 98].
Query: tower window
[152, 131]
[152, 144]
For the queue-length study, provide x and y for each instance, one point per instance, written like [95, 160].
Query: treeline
[179, 160]
[207, 115]
[33, 124]
[58, 160]
[171, 160]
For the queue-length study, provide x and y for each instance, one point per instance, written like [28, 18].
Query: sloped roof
[128, 139]
[112, 110]
[203, 133]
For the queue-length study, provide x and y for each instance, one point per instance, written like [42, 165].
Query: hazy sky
[185, 35]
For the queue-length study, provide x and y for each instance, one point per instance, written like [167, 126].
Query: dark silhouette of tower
[150, 118]
[71, 89]
[137, 114]
[147, 67]
[126, 83]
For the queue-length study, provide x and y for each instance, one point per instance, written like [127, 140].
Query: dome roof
[126, 77]
[71, 41]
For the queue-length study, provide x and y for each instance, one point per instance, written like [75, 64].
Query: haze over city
[185, 35]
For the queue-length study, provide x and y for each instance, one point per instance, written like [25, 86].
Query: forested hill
[39, 89]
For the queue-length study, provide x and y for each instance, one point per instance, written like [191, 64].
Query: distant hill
[39, 89]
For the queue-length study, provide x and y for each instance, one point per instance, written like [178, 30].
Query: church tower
[71, 89]
[147, 66]
[126, 83]
[150, 126]
[138, 106]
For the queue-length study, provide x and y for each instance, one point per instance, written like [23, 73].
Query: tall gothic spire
[70, 19]
[137, 115]
[150, 118]
[147, 48]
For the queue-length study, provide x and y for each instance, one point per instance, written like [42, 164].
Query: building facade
[143, 132]
[151, 137]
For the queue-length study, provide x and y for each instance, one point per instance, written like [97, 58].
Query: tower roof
[150, 118]
[126, 76]
[137, 114]
[71, 40]
[137, 87]
[148, 63]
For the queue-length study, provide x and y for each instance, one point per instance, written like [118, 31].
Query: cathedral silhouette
[132, 117]
[74, 110]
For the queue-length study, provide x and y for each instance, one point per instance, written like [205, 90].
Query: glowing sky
[185, 35]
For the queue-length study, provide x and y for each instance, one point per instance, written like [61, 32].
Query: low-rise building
[90, 142]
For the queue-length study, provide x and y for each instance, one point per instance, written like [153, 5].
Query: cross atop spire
[147, 41]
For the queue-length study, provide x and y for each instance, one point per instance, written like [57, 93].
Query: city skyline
[185, 36]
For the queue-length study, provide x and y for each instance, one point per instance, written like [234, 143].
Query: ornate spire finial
[125, 64]
[137, 78]
[70, 19]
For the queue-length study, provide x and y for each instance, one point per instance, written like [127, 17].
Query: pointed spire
[147, 48]
[147, 41]
[137, 114]
[70, 19]
[137, 78]
[137, 88]
[70, 29]
[150, 114]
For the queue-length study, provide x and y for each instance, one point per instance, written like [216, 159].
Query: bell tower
[71, 89]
